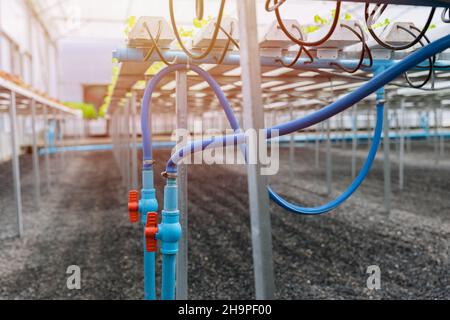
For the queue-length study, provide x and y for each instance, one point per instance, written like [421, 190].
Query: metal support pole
[436, 133]
[343, 131]
[408, 139]
[291, 146]
[47, 154]
[386, 161]
[56, 157]
[442, 136]
[355, 138]
[401, 177]
[329, 174]
[397, 130]
[134, 144]
[254, 119]
[121, 145]
[182, 123]
[15, 161]
[61, 137]
[369, 128]
[37, 177]
[126, 146]
[317, 145]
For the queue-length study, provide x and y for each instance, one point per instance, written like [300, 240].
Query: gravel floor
[83, 221]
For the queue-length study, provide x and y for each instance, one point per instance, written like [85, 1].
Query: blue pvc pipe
[149, 274]
[169, 234]
[134, 54]
[148, 203]
[168, 277]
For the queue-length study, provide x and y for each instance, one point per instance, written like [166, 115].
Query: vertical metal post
[47, 154]
[182, 258]
[369, 127]
[257, 184]
[317, 143]
[134, 144]
[56, 156]
[354, 138]
[61, 137]
[127, 141]
[120, 144]
[36, 171]
[329, 174]
[401, 159]
[442, 135]
[291, 146]
[386, 161]
[15, 161]
[408, 139]
[343, 132]
[436, 133]
[397, 130]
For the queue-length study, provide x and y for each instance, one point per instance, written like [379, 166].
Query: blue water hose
[331, 110]
[148, 203]
[342, 104]
[351, 189]
[376, 84]
[231, 139]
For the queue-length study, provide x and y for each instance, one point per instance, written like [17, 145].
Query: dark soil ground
[83, 221]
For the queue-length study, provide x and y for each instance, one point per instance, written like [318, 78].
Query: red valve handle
[151, 229]
[133, 206]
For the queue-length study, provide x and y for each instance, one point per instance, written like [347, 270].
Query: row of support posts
[15, 162]
[15, 147]
[124, 133]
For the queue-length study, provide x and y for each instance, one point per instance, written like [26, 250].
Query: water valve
[151, 229]
[133, 206]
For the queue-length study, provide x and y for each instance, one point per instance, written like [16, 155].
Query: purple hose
[146, 105]
[329, 111]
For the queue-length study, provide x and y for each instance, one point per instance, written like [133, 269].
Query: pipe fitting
[169, 232]
[170, 228]
[148, 202]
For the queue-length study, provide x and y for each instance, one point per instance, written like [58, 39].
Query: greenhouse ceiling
[107, 19]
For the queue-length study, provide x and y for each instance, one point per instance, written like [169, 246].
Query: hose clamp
[149, 162]
[168, 175]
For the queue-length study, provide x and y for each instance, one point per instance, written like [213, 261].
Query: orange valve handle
[133, 206]
[151, 229]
